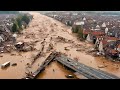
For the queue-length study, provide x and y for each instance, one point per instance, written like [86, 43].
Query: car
[69, 76]
[68, 60]
[33, 75]
[27, 78]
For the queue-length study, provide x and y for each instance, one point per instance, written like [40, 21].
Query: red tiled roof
[86, 31]
[97, 33]
[104, 42]
[113, 51]
[98, 36]
[111, 38]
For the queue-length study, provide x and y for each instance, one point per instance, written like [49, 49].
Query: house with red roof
[104, 42]
[96, 34]
[85, 33]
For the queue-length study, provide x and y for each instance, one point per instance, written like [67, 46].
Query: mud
[44, 30]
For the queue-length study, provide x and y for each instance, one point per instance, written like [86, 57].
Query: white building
[104, 25]
[106, 30]
[100, 48]
[84, 18]
[79, 23]
[88, 38]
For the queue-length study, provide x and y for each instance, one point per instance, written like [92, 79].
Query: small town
[60, 44]
[102, 31]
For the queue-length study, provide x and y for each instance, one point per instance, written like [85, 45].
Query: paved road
[88, 72]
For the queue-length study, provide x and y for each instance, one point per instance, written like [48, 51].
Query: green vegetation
[26, 19]
[15, 28]
[21, 20]
[78, 30]
[68, 23]
[75, 29]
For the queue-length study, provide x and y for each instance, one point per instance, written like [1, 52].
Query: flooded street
[43, 27]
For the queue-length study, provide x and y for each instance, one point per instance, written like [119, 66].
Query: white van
[6, 64]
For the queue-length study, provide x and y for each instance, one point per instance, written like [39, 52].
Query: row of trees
[20, 21]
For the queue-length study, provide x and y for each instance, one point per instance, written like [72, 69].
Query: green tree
[15, 27]
[19, 22]
[80, 32]
[75, 29]
[26, 19]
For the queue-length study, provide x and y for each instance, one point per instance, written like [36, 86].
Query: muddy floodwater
[55, 71]
[56, 34]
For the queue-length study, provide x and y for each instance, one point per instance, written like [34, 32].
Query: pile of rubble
[50, 47]
[6, 47]
[24, 46]
[92, 51]
[64, 40]
[5, 32]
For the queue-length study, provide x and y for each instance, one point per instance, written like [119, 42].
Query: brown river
[43, 27]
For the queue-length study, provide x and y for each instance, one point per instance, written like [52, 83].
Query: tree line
[21, 22]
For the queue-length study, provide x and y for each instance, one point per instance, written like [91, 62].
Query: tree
[26, 19]
[76, 28]
[68, 23]
[80, 32]
[15, 27]
[19, 22]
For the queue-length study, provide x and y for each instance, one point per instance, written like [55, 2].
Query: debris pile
[66, 48]
[92, 51]
[24, 46]
[6, 48]
[64, 40]
[50, 47]
[102, 66]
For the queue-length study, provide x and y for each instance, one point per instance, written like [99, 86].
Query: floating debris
[102, 66]
[66, 48]
[14, 64]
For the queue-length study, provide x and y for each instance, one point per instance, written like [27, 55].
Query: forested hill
[9, 12]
